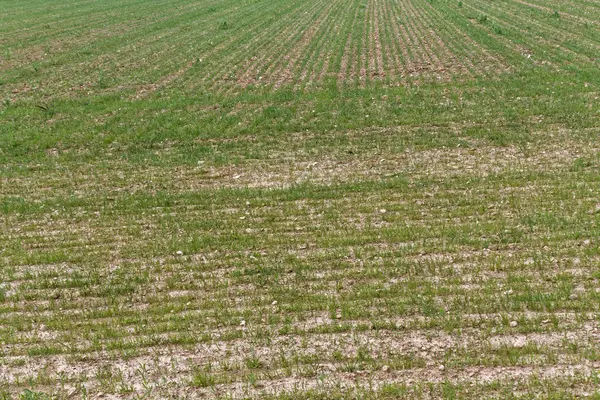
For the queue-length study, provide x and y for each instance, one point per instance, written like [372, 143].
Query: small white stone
[179, 253]
[385, 368]
[383, 211]
[441, 367]
[274, 303]
[513, 324]
[243, 323]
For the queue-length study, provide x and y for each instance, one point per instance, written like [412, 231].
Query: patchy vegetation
[299, 199]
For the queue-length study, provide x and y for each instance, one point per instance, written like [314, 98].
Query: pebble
[274, 303]
[441, 367]
[513, 324]
[385, 368]
[243, 323]
[383, 211]
[179, 252]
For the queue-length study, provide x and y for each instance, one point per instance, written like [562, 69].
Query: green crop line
[299, 199]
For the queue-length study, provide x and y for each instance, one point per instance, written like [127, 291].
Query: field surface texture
[299, 199]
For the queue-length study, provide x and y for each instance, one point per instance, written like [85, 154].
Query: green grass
[299, 199]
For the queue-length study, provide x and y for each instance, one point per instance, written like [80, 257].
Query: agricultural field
[299, 199]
